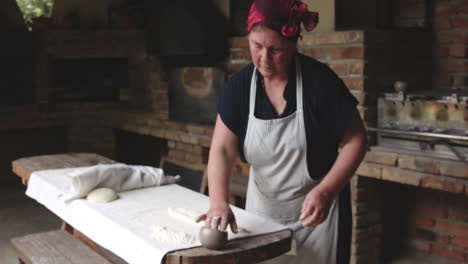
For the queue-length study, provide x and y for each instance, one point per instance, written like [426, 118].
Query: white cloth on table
[125, 226]
[119, 177]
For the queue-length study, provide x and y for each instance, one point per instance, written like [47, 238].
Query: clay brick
[452, 168]
[446, 10]
[458, 51]
[443, 239]
[454, 66]
[208, 132]
[340, 69]
[423, 222]
[171, 144]
[360, 182]
[450, 253]
[460, 22]
[197, 149]
[184, 147]
[365, 233]
[193, 129]
[162, 115]
[205, 141]
[463, 8]
[239, 42]
[235, 67]
[442, 23]
[454, 201]
[456, 37]
[443, 184]
[158, 132]
[460, 242]
[173, 135]
[418, 164]
[354, 83]
[458, 80]
[347, 53]
[452, 227]
[193, 158]
[240, 55]
[314, 52]
[365, 247]
[401, 176]
[355, 37]
[356, 67]
[175, 154]
[360, 96]
[323, 38]
[420, 233]
[176, 126]
[186, 138]
[386, 158]
[369, 170]
[366, 219]
[362, 194]
[420, 244]
[443, 80]
[441, 52]
[431, 211]
[458, 215]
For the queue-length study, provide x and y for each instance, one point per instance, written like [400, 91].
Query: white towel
[120, 177]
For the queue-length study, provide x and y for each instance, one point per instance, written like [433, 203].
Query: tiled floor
[20, 215]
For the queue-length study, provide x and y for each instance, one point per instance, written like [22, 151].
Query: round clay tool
[212, 238]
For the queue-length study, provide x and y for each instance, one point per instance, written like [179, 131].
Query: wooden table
[243, 250]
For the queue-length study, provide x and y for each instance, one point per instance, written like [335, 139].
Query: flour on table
[170, 235]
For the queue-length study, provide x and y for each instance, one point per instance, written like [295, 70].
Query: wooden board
[54, 247]
[240, 251]
[23, 167]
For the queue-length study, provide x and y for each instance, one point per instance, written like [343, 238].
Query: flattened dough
[101, 195]
[189, 216]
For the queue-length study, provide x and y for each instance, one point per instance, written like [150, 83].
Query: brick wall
[438, 222]
[417, 204]
[344, 52]
[449, 22]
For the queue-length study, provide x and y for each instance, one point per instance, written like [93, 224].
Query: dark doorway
[136, 149]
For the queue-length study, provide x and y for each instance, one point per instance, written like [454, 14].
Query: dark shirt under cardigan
[328, 107]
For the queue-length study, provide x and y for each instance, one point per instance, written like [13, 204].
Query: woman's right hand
[218, 217]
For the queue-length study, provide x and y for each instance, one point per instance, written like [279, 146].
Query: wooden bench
[54, 247]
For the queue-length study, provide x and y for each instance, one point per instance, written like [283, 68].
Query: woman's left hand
[315, 207]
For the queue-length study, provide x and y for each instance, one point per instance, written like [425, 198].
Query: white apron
[279, 180]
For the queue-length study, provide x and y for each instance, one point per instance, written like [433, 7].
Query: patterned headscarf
[283, 16]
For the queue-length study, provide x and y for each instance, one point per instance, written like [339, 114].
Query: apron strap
[253, 92]
[299, 100]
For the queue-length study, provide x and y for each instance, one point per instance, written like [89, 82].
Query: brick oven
[410, 193]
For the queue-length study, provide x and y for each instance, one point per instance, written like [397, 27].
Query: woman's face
[271, 53]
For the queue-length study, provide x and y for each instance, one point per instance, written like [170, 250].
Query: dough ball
[101, 195]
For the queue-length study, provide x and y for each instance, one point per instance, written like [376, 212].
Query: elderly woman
[294, 121]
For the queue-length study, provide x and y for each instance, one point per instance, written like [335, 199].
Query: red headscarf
[283, 16]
